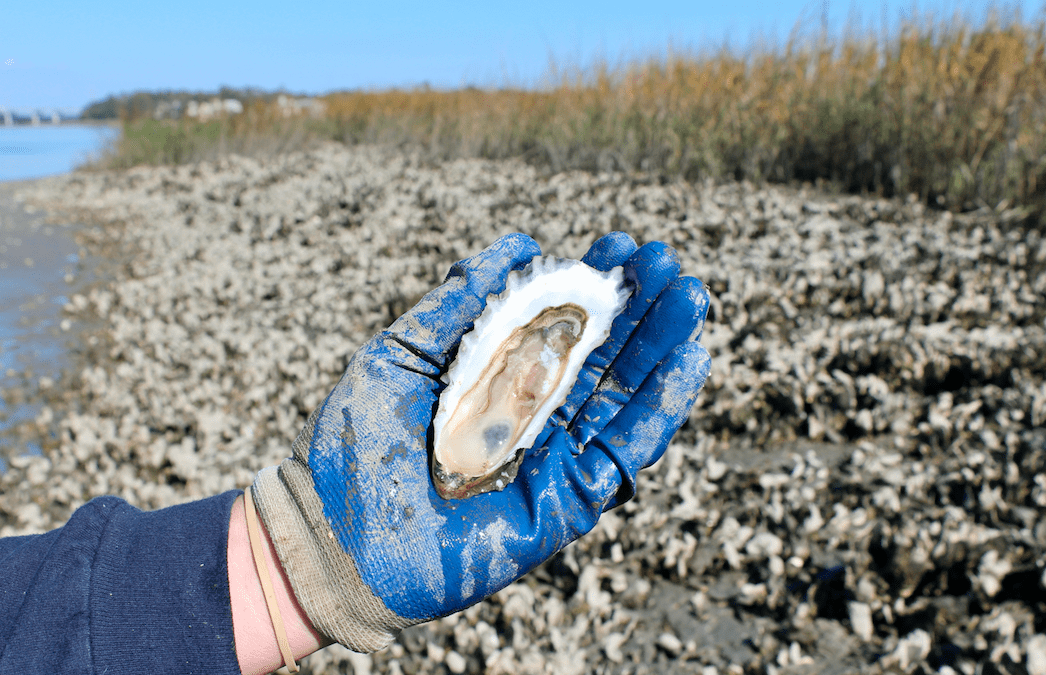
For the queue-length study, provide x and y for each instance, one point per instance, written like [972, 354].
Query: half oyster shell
[515, 367]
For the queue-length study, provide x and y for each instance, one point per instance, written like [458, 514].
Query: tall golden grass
[951, 112]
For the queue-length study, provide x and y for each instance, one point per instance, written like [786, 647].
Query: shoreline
[116, 124]
[42, 265]
[28, 152]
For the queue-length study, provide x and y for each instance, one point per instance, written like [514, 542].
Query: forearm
[256, 647]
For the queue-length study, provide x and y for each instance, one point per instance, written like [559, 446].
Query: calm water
[32, 152]
[40, 268]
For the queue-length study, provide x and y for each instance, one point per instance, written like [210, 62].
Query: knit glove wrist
[367, 543]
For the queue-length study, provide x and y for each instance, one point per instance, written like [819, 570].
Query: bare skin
[256, 648]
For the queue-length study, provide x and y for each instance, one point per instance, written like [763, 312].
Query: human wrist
[257, 649]
[324, 578]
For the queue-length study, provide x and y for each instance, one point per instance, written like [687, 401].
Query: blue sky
[65, 53]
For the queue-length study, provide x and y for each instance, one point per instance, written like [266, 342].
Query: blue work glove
[367, 543]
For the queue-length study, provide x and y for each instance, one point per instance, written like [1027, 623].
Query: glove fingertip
[690, 295]
[517, 240]
[661, 257]
[696, 351]
[509, 252]
[609, 251]
[650, 269]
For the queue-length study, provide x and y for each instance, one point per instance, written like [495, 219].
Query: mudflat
[859, 488]
[40, 262]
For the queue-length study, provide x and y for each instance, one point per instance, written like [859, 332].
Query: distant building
[205, 110]
[168, 110]
[292, 107]
[36, 117]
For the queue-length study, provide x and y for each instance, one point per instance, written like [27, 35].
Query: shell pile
[860, 488]
[516, 367]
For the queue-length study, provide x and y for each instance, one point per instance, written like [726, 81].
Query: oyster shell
[515, 367]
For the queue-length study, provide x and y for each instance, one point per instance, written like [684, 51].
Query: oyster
[515, 367]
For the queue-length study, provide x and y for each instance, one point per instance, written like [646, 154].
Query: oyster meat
[515, 367]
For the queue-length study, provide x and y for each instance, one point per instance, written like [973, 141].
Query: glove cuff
[325, 580]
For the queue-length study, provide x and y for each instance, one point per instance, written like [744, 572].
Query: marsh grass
[952, 113]
[257, 131]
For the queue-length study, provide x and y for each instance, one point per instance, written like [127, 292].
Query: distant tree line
[147, 104]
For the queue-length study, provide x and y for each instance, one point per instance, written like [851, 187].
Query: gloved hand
[368, 545]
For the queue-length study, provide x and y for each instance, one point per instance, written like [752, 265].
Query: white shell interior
[518, 363]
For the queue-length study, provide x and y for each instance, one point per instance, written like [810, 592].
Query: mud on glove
[368, 545]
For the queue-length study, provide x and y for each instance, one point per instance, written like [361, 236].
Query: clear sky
[66, 53]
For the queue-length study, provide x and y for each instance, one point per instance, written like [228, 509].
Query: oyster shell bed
[860, 488]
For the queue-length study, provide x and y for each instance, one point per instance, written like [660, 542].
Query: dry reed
[952, 113]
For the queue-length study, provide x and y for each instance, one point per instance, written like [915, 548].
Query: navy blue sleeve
[119, 590]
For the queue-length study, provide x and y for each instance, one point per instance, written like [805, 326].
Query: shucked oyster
[516, 367]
